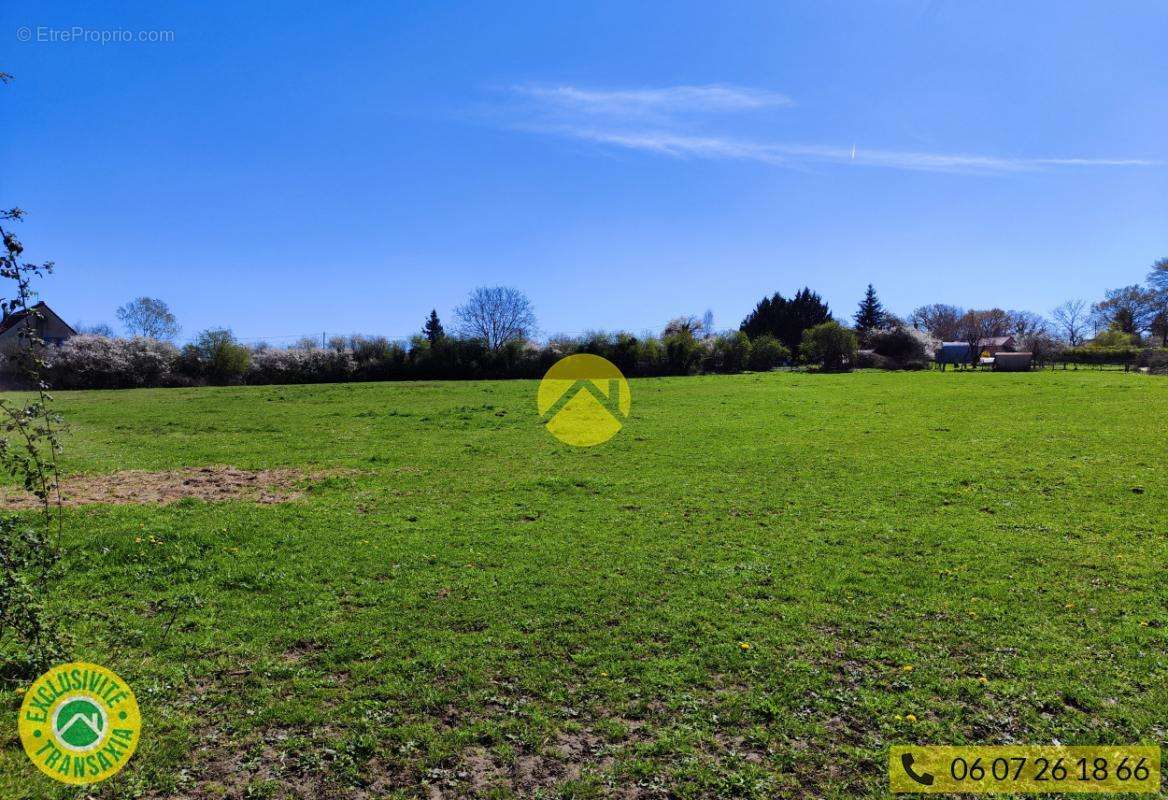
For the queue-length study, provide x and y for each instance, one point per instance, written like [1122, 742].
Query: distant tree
[688, 325]
[892, 320]
[1158, 300]
[940, 320]
[785, 319]
[217, 356]
[1159, 328]
[1031, 332]
[496, 316]
[870, 316]
[1071, 320]
[366, 349]
[708, 322]
[767, 352]
[730, 352]
[1129, 309]
[683, 352]
[899, 344]
[764, 319]
[432, 330]
[419, 346]
[1115, 338]
[1025, 325]
[977, 325]
[998, 322]
[1158, 277]
[98, 329]
[829, 345]
[149, 317]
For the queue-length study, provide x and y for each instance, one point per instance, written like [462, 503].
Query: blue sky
[345, 168]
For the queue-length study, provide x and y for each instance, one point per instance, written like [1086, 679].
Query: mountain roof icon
[611, 403]
[93, 722]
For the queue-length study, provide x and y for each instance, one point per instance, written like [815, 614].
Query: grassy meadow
[751, 591]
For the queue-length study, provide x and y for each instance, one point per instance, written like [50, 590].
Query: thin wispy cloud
[717, 147]
[660, 121]
[710, 99]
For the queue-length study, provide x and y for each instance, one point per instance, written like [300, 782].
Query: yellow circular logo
[584, 400]
[79, 723]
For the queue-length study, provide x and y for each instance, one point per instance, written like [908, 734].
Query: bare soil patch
[169, 486]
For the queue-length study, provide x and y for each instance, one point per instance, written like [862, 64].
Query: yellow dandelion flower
[1069, 605]
[907, 668]
[1143, 623]
[911, 717]
[744, 645]
[983, 680]
[21, 690]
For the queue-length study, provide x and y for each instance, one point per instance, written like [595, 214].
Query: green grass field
[754, 589]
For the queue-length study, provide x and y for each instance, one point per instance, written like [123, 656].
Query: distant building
[1013, 362]
[997, 344]
[50, 328]
[955, 353]
[998, 352]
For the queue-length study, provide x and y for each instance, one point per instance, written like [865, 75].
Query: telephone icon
[923, 778]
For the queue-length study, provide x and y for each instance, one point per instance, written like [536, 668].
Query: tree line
[494, 336]
[1130, 316]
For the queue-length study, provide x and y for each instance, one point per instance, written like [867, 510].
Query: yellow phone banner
[1023, 769]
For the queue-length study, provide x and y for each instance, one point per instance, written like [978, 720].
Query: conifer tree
[432, 330]
[870, 315]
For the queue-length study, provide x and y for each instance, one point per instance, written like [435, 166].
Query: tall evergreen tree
[787, 319]
[871, 313]
[433, 328]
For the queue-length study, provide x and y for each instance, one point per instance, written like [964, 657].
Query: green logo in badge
[79, 722]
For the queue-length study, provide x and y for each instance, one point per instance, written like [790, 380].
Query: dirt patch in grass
[201, 483]
[481, 773]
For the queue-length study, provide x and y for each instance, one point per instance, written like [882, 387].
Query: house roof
[996, 341]
[12, 320]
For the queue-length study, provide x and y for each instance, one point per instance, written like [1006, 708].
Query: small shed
[954, 353]
[1013, 362]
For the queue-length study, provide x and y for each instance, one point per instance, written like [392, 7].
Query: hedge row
[98, 362]
[1153, 358]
